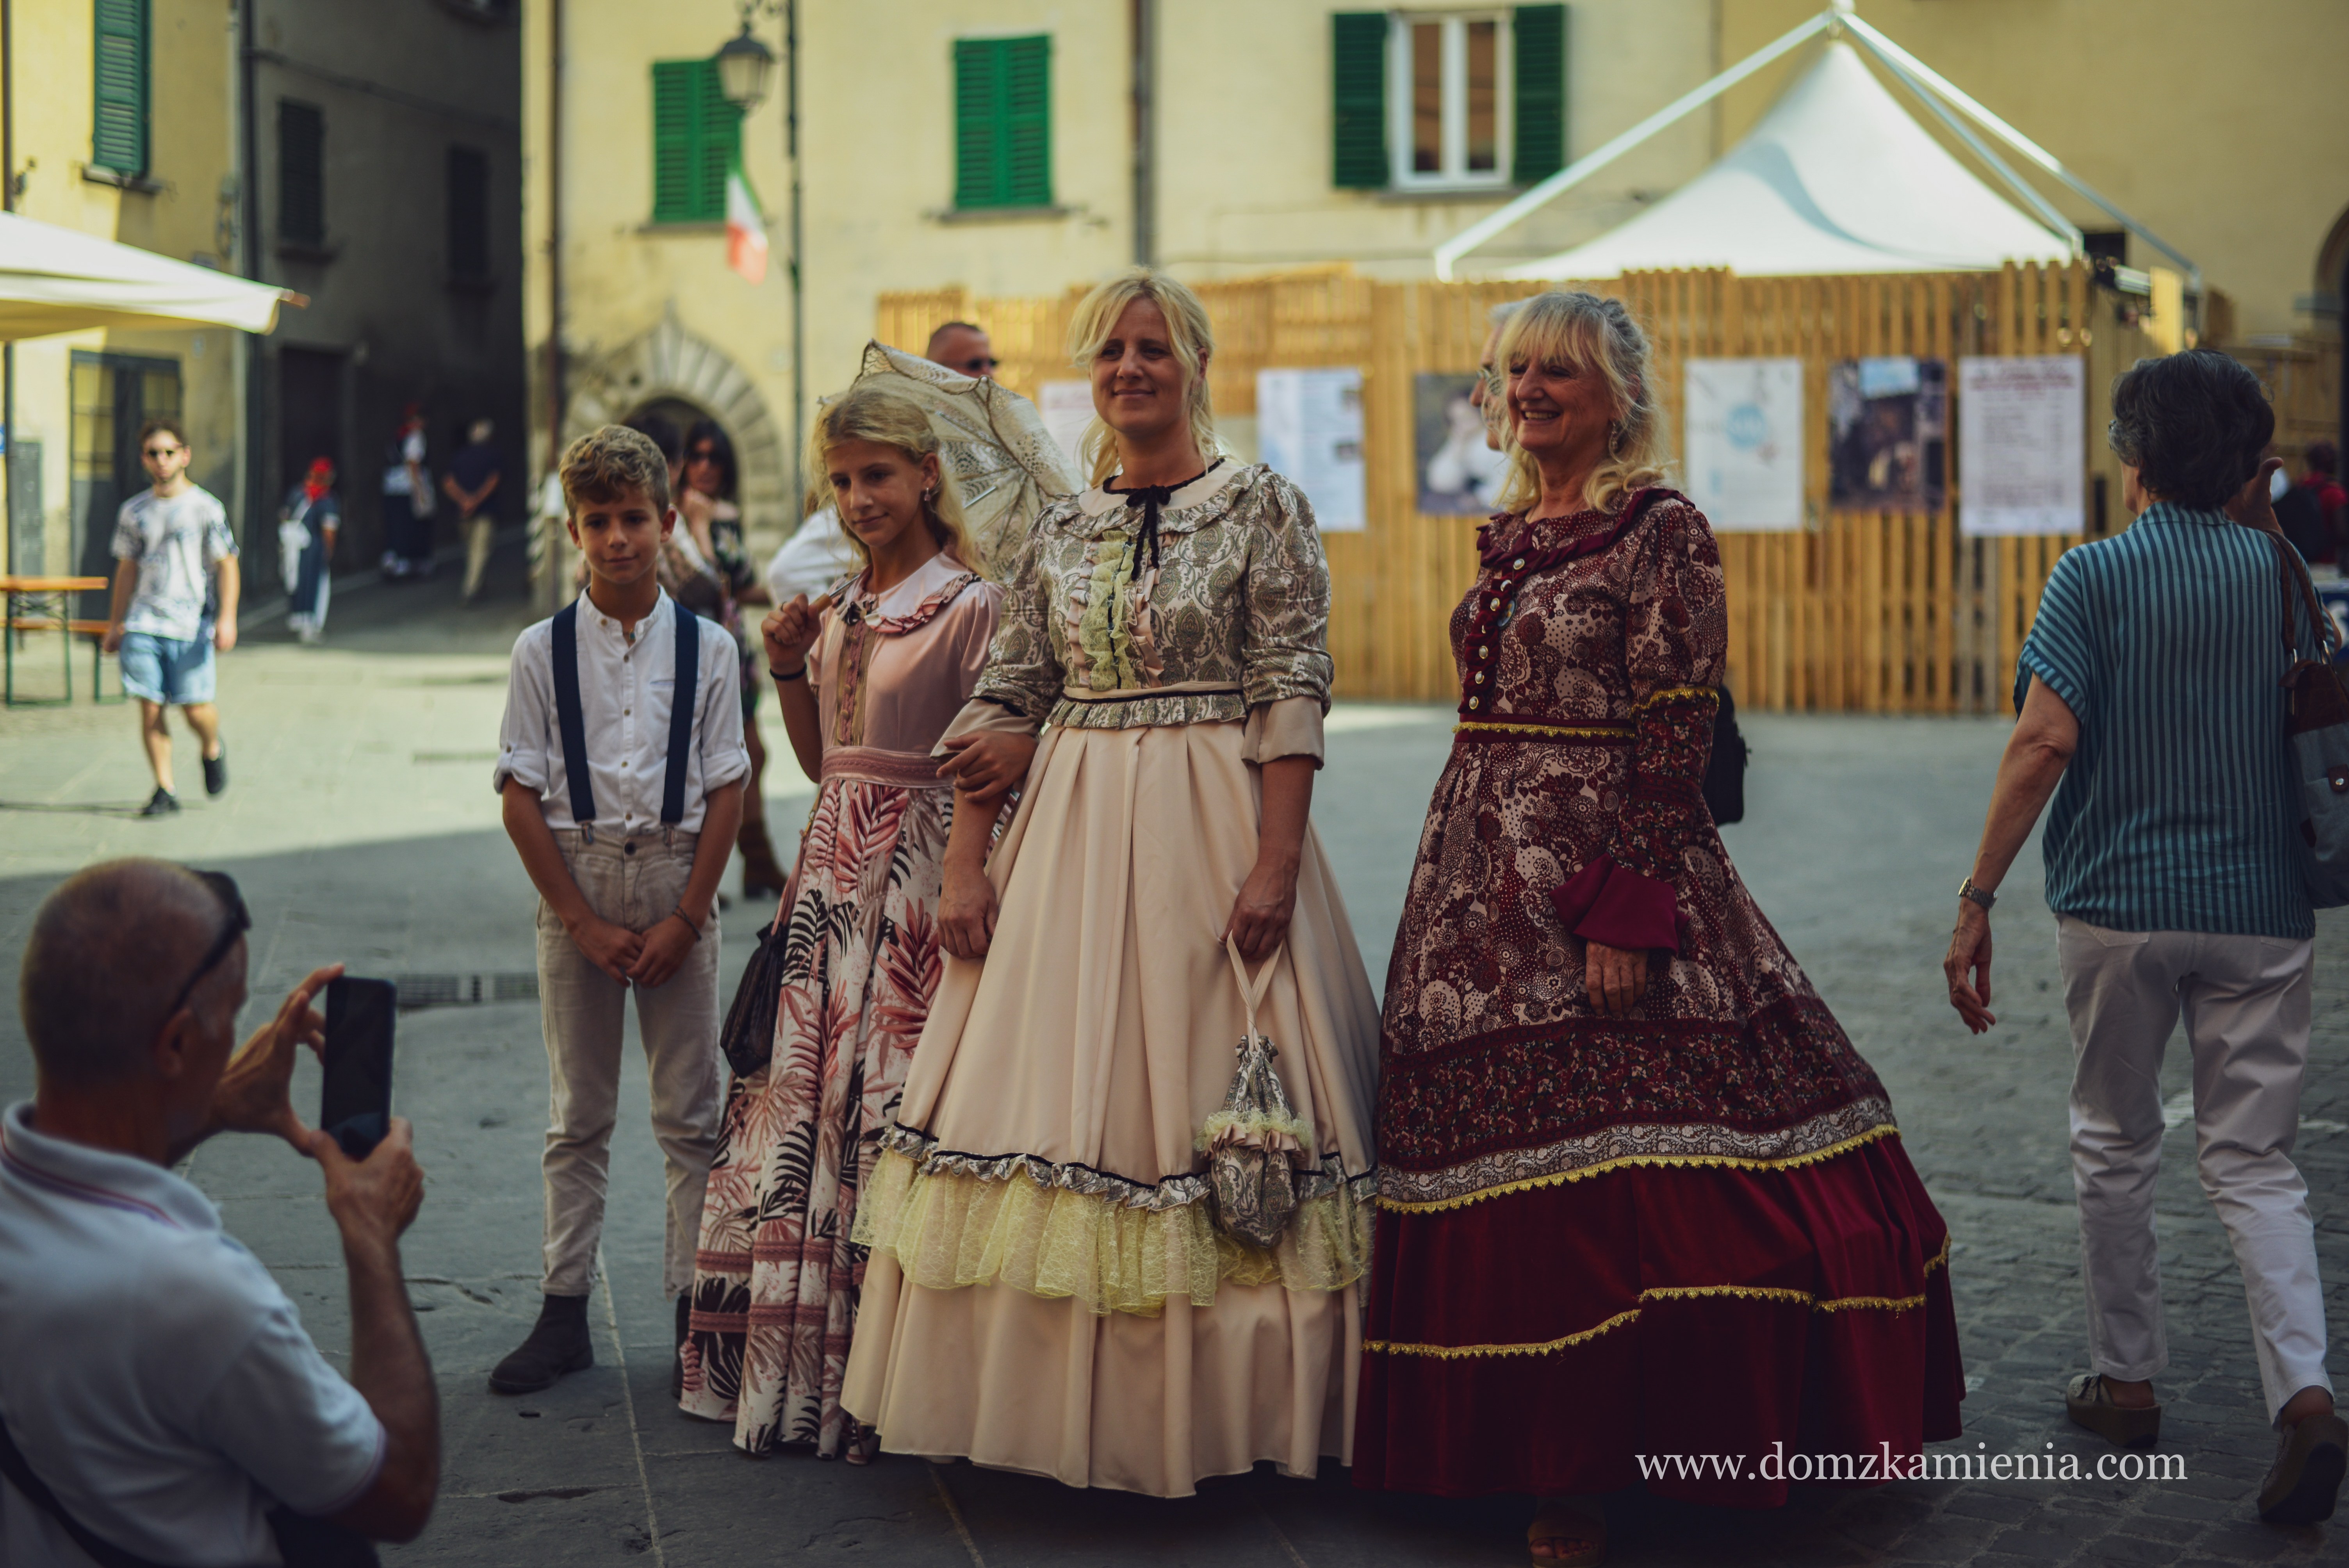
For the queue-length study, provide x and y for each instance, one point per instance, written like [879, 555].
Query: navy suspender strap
[572, 720]
[680, 711]
[568, 716]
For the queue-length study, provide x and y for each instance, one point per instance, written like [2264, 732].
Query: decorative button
[2339, 778]
[1518, 565]
[1480, 678]
[1476, 701]
[628, 848]
[1496, 603]
[1482, 652]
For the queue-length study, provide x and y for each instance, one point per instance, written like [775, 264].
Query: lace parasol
[1004, 462]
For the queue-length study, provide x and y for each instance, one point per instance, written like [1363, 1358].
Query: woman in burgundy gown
[1638, 1194]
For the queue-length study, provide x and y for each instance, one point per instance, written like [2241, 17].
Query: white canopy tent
[1837, 178]
[1836, 172]
[56, 279]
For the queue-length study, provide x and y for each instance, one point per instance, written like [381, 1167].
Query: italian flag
[746, 229]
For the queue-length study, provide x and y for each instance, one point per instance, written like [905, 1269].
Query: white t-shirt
[810, 561]
[151, 1372]
[177, 544]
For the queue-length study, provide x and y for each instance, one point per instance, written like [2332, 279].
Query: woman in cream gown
[1048, 1290]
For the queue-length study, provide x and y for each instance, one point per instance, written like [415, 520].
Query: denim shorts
[167, 670]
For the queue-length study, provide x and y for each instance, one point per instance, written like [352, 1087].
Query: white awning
[1837, 178]
[61, 280]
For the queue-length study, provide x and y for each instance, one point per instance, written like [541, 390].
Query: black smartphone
[356, 1106]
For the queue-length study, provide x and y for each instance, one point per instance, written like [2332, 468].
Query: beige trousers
[2245, 1001]
[636, 882]
[479, 529]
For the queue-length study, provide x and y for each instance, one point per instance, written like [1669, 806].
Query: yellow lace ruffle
[949, 1229]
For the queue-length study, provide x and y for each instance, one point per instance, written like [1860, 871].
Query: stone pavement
[362, 827]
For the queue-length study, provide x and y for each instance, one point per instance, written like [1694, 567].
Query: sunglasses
[162, 451]
[980, 365]
[235, 920]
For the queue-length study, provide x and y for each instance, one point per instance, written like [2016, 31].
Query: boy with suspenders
[622, 764]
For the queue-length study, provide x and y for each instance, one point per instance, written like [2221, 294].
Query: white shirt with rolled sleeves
[152, 1374]
[625, 687]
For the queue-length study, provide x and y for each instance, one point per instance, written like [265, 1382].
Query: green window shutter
[1541, 38]
[118, 134]
[1028, 122]
[697, 140]
[1003, 122]
[1358, 101]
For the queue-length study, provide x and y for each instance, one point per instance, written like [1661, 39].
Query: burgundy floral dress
[1693, 1230]
[776, 1277]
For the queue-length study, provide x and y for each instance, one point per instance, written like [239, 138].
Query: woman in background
[706, 504]
[867, 685]
[311, 507]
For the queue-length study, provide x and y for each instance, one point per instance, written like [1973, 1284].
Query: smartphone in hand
[356, 1106]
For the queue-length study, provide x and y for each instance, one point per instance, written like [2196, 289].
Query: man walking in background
[470, 482]
[175, 590]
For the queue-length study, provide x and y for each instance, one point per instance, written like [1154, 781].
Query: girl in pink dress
[869, 676]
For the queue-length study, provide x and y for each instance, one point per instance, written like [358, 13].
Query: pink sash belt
[899, 769]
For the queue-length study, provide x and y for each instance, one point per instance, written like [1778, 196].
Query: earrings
[1614, 438]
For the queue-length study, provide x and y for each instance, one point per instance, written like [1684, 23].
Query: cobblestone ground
[361, 824]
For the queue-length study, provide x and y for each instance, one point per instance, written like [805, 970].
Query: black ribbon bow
[1150, 498]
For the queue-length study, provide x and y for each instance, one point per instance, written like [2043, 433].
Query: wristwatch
[1966, 889]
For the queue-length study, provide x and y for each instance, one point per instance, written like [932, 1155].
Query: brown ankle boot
[762, 876]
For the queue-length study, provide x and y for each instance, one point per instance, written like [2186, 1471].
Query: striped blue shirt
[2177, 810]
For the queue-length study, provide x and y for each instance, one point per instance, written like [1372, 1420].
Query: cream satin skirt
[1046, 1292]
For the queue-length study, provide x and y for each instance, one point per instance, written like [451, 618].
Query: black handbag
[1724, 771]
[302, 1542]
[748, 1037]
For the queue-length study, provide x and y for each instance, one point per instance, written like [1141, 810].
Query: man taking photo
[160, 1400]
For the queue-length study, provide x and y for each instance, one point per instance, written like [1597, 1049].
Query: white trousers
[634, 882]
[2245, 1001]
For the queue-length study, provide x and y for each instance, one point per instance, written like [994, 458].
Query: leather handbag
[749, 1036]
[1250, 1140]
[1724, 769]
[2316, 729]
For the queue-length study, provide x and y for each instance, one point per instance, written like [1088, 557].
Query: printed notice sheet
[1744, 436]
[2021, 444]
[1309, 427]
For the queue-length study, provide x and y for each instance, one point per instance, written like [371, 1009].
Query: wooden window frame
[1454, 175]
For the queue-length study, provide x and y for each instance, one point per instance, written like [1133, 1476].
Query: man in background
[471, 482]
[959, 346]
[175, 590]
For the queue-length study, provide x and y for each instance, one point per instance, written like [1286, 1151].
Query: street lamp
[743, 63]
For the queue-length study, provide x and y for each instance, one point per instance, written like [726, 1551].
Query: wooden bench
[62, 621]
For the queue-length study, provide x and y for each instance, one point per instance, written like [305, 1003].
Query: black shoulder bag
[1724, 770]
[302, 1540]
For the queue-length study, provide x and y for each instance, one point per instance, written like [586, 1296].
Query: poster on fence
[1744, 443]
[1308, 428]
[1459, 475]
[1887, 433]
[2021, 444]
[1067, 407]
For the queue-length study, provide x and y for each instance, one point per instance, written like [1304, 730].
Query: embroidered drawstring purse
[1250, 1140]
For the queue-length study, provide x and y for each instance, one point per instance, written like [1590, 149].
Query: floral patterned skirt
[776, 1277]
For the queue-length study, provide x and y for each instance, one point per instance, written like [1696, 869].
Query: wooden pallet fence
[1863, 612]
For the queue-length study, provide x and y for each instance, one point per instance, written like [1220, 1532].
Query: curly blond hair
[1589, 333]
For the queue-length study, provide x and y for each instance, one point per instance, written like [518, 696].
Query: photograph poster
[1459, 475]
[1309, 429]
[1887, 433]
[1067, 407]
[2021, 444]
[1744, 443]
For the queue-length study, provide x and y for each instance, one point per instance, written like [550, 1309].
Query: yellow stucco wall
[2222, 126]
[191, 149]
[1243, 184]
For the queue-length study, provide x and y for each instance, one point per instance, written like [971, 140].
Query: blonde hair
[1189, 333]
[610, 460]
[890, 419]
[1590, 332]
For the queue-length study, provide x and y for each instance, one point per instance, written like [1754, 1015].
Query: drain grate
[465, 990]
